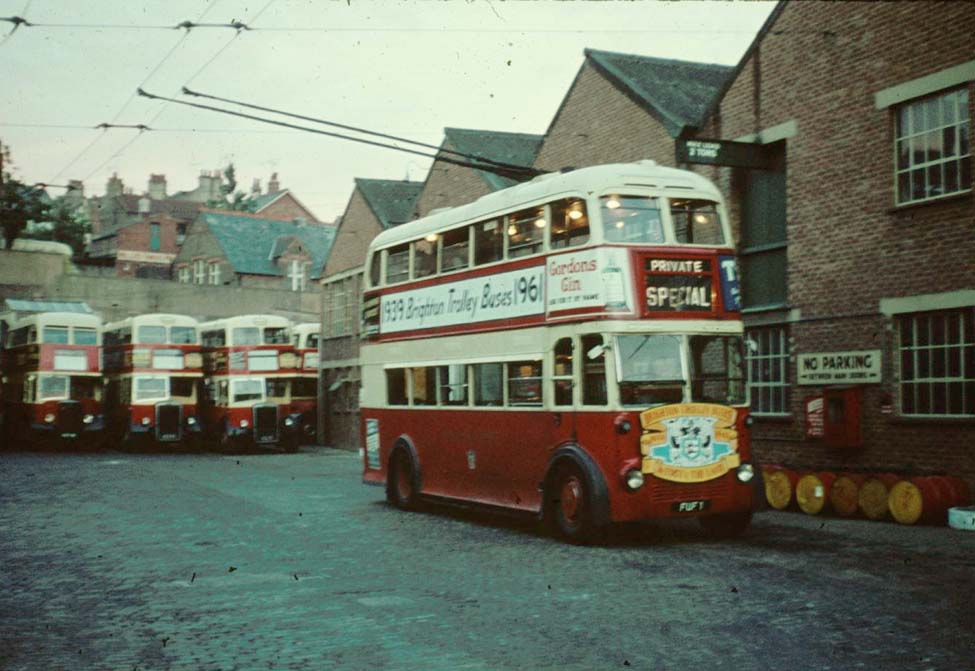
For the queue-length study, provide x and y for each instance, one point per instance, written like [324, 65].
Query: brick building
[244, 249]
[858, 238]
[449, 185]
[143, 248]
[375, 205]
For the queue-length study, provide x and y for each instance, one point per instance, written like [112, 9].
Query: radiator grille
[664, 491]
[169, 423]
[266, 424]
[70, 414]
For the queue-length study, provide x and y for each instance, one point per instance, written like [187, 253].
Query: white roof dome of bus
[581, 181]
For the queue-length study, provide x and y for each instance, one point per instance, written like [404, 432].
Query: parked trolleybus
[153, 373]
[571, 346]
[248, 364]
[304, 386]
[52, 380]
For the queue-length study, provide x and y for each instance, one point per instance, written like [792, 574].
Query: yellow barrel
[812, 492]
[779, 484]
[872, 497]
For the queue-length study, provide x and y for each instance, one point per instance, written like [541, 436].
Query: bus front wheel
[571, 506]
[401, 481]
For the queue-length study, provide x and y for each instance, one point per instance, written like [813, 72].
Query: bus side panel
[473, 455]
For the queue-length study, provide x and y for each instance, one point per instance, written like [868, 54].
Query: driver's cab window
[593, 370]
[562, 372]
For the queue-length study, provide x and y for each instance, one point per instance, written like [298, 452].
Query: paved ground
[119, 562]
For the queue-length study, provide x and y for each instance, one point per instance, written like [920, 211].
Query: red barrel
[845, 492]
[921, 499]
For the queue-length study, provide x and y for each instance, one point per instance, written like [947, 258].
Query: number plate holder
[698, 506]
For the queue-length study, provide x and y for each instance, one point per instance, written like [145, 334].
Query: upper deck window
[85, 336]
[488, 243]
[246, 335]
[455, 249]
[276, 335]
[182, 335]
[696, 222]
[152, 335]
[311, 342]
[425, 257]
[570, 224]
[526, 232]
[398, 264]
[57, 335]
[215, 338]
[631, 219]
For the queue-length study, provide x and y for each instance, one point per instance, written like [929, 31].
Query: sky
[402, 68]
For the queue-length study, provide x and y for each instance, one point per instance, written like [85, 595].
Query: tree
[19, 202]
[232, 199]
[69, 222]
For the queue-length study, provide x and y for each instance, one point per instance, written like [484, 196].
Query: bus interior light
[575, 214]
[745, 473]
[540, 222]
[431, 238]
[634, 479]
[612, 204]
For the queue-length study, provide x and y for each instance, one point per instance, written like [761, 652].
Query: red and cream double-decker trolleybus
[571, 346]
[248, 364]
[52, 378]
[153, 373]
[304, 386]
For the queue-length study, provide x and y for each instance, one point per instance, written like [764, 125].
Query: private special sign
[858, 367]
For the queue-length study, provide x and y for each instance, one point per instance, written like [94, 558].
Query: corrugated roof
[249, 241]
[680, 92]
[390, 200]
[514, 148]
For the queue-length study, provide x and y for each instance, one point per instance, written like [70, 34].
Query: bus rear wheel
[401, 488]
[570, 507]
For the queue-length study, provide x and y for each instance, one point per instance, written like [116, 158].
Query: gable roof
[514, 148]
[390, 200]
[678, 93]
[249, 242]
[260, 202]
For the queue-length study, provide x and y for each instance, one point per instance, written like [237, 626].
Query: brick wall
[598, 123]
[848, 246]
[358, 227]
[449, 186]
[286, 208]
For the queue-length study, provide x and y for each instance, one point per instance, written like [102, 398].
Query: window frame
[782, 385]
[906, 131]
[963, 381]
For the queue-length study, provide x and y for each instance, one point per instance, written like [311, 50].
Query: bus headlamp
[244, 423]
[146, 421]
[88, 419]
[49, 418]
[745, 473]
[288, 421]
[634, 479]
[191, 420]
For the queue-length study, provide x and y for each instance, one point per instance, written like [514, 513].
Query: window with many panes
[937, 363]
[199, 271]
[214, 272]
[183, 274]
[934, 152]
[768, 370]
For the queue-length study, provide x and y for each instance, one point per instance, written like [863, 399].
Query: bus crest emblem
[689, 442]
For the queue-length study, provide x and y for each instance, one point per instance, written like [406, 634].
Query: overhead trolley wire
[355, 129]
[517, 172]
